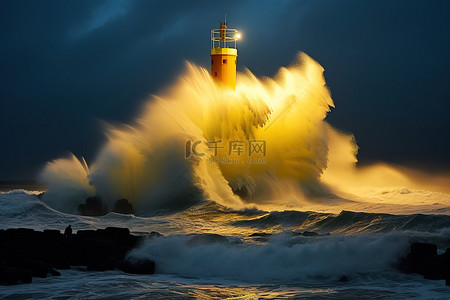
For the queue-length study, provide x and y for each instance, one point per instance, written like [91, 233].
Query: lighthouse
[224, 55]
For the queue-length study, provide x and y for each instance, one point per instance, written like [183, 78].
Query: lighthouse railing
[224, 38]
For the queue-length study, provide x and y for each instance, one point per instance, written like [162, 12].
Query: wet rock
[116, 231]
[420, 258]
[93, 207]
[52, 233]
[88, 233]
[423, 259]
[26, 253]
[12, 275]
[118, 235]
[122, 206]
[423, 250]
[20, 234]
[102, 264]
[53, 272]
[138, 266]
[37, 268]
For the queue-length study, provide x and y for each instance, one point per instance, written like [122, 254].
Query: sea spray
[266, 144]
[67, 183]
[146, 162]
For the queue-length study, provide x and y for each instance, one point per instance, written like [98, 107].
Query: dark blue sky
[66, 66]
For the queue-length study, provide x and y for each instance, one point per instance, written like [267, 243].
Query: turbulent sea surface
[209, 251]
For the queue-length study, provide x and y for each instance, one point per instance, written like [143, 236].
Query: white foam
[282, 258]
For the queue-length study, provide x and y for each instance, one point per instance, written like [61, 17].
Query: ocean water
[231, 179]
[208, 251]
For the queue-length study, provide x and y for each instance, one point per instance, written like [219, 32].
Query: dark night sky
[65, 66]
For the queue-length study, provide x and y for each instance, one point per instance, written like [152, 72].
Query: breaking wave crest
[146, 162]
[266, 145]
[282, 258]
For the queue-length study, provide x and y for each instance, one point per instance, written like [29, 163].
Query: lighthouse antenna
[225, 33]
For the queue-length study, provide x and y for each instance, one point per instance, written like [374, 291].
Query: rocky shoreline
[27, 253]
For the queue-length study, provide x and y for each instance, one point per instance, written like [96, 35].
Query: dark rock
[53, 272]
[116, 231]
[102, 264]
[423, 250]
[26, 276]
[88, 233]
[93, 207]
[12, 275]
[423, 259]
[25, 253]
[52, 232]
[20, 234]
[37, 268]
[60, 261]
[120, 236]
[122, 206]
[138, 267]
[90, 251]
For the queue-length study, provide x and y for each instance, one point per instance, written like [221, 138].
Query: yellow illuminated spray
[303, 159]
[224, 55]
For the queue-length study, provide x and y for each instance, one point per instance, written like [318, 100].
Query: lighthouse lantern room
[224, 55]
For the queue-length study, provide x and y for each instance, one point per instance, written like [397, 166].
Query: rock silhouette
[26, 253]
[94, 207]
[423, 259]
